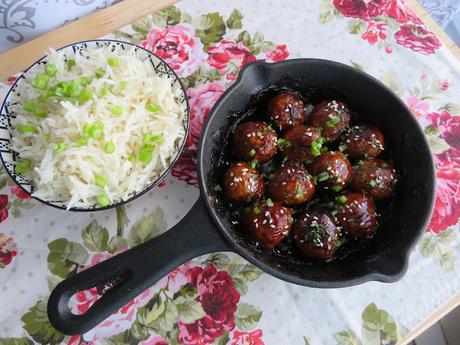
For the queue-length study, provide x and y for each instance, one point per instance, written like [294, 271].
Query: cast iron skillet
[206, 229]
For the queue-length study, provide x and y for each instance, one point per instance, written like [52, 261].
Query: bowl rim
[149, 187]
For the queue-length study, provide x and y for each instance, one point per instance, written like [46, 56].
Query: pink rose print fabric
[447, 205]
[419, 108]
[8, 250]
[418, 39]
[178, 46]
[201, 100]
[247, 338]
[215, 299]
[219, 300]
[375, 32]
[229, 56]
[154, 340]
[280, 53]
[379, 20]
[3, 207]
[20, 193]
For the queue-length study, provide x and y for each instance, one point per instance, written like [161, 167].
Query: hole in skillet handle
[135, 270]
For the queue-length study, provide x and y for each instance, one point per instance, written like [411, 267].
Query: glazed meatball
[332, 116]
[242, 183]
[255, 141]
[296, 143]
[316, 234]
[376, 178]
[356, 214]
[333, 171]
[291, 184]
[364, 141]
[286, 110]
[268, 223]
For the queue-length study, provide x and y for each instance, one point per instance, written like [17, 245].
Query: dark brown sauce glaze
[256, 111]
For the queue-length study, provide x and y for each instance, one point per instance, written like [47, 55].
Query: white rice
[69, 176]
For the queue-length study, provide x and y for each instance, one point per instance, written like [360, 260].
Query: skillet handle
[135, 270]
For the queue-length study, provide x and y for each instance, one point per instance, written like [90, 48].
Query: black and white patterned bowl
[8, 113]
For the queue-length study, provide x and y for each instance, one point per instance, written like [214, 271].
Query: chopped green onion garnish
[97, 133]
[372, 183]
[361, 163]
[260, 134]
[123, 85]
[100, 180]
[70, 64]
[113, 62]
[315, 148]
[59, 91]
[254, 163]
[40, 81]
[269, 202]
[104, 91]
[334, 212]
[46, 95]
[145, 155]
[85, 81]
[333, 122]
[148, 147]
[102, 200]
[342, 199]
[217, 188]
[252, 153]
[51, 69]
[282, 143]
[307, 161]
[27, 129]
[109, 147]
[323, 176]
[97, 130]
[298, 192]
[99, 72]
[29, 106]
[86, 130]
[343, 147]
[38, 109]
[321, 140]
[324, 149]
[153, 139]
[384, 165]
[81, 142]
[336, 188]
[117, 110]
[152, 107]
[256, 210]
[85, 95]
[74, 90]
[60, 147]
[23, 165]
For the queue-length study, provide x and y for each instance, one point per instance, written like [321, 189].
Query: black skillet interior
[382, 258]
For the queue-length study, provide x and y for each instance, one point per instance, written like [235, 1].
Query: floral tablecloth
[220, 298]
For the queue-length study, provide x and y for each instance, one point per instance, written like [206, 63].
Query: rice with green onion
[94, 129]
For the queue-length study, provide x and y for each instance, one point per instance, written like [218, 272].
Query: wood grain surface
[93, 26]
